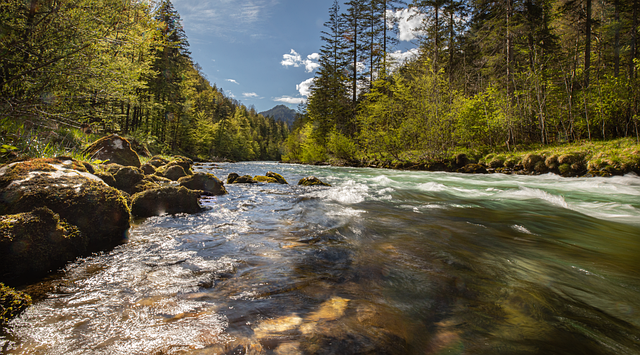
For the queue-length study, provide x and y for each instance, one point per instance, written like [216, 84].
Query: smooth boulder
[234, 178]
[99, 211]
[34, 243]
[165, 200]
[208, 183]
[115, 149]
[278, 177]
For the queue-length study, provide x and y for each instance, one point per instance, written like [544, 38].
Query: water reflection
[382, 263]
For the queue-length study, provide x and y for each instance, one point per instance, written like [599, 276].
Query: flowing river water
[383, 262]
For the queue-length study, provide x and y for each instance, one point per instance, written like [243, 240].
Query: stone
[278, 177]
[115, 149]
[106, 177]
[165, 200]
[99, 211]
[12, 303]
[234, 178]
[34, 243]
[172, 172]
[148, 169]
[462, 160]
[157, 161]
[127, 177]
[529, 161]
[473, 169]
[312, 181]
[265, 179]
[496, 163]
[205, 182]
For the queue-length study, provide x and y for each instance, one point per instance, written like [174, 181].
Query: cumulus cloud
[232, 81]
[409, 22]
[249, 95]
[290, 100]
[304, 88]
[399, 57]
[295, 60]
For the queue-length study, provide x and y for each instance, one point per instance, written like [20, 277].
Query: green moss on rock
[115, 149]
[205, 182]
[278, 177]
[33, 243]
[265, 179]
[12, 303]
[312, 181]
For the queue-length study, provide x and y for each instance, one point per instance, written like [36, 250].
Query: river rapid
[382, 262]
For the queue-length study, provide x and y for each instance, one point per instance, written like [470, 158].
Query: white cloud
[232, 81]
[304, 88]
[294, 59]
[249, 95]
[290, 100]
[409, 21]
[400, 57]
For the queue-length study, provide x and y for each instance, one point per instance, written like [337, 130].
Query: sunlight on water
[382, 262]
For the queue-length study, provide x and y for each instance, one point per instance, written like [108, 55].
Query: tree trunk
[616, 49]
[587, 46]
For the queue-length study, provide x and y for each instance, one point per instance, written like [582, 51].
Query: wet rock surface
[165, 200]
[312, 181]
[115, 149]
[205, 182]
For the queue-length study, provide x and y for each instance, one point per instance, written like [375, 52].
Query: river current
[382, 262]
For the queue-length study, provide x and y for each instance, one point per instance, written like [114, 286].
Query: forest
[502, 74]
[73, 68]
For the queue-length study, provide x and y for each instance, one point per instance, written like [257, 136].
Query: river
[382, 262]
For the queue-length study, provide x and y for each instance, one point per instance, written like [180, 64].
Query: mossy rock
[12, 303]
[106, 177]
[265, 179]
[148, 169]
[144, 185]
[496, 163]
[208, 183]
[115, 149]
[234, 178]
[552, 162]
[473, 169]
[312, 181]
[157, 161]
[278, 177]
[89, 167]
[165, 200]
[127, 177]
[511, 162]
[540, 167]
[529, 161]
[158, 179]
[565, 170]
[567, 159]
[80, 198]
[184, 162]
[172, 172]
[33, 243]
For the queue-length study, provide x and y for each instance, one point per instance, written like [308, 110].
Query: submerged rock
[115, 149]
[312, 181]
[205, 182]
[12, 303]
[33, 243]
[99, 211]
[165, 200]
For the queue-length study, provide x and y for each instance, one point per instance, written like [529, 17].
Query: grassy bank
[584, 158]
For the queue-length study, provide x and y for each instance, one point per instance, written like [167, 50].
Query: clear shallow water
[383, 262]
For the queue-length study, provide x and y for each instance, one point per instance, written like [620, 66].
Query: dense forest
[489, 73]
[114, 66]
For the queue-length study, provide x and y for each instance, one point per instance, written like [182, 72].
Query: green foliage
[340, 146]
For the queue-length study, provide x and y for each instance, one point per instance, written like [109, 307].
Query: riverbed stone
[34, 243]
[234, 178]
[312, 181]
[127, 177]
[278, 177]
[265, 179]
[99, 211]
[205, 182]
[166, 200]
[12, 303]
[158, 161]
[148, 169]
[115, 149]
[172, 172]
[462, 160]
[473, 169]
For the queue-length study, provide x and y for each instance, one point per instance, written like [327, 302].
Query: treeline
[487, 73]
[124, 67]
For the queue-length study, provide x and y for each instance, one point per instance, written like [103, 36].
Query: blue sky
[260, 52]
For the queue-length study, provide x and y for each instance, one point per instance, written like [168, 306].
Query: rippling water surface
[383, 262]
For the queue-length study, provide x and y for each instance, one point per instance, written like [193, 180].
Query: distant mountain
[281, 113]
